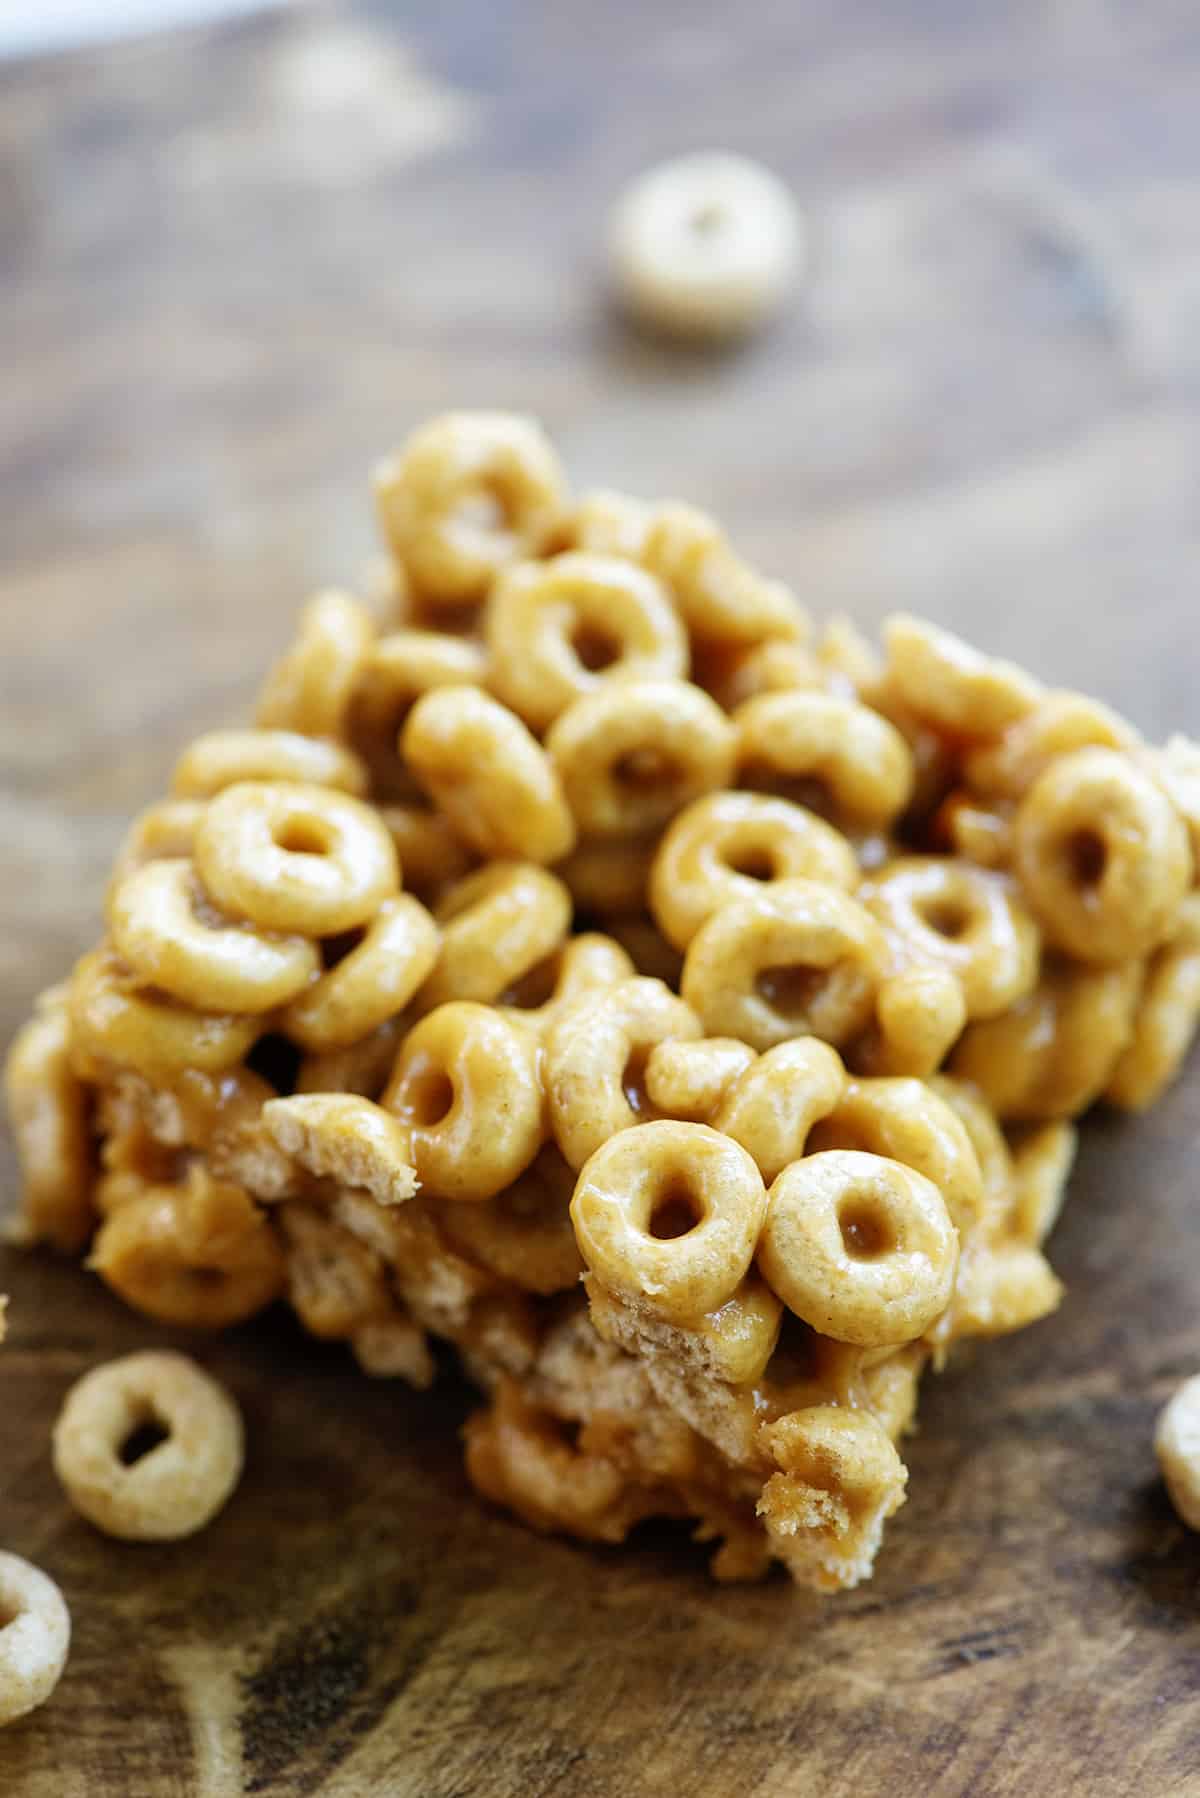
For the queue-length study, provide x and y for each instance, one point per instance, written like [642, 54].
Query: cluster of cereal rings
[582, 891]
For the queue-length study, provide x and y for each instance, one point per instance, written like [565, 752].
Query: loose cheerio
[705, 245]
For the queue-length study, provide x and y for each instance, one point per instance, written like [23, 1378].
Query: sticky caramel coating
[670, 1213]
[558, 629]
[733, 846]
[903, 1120]
[309, 688]
[948, 914]
[523, 1235]
[818, 747]
[1166, 1018]
[114, 1020]
[48, 1110]
[720, 597]
[689, 1079]
[496, 924]
[179, 1485]
[942, 679]
[223, 758]
[398, 670]
[370, 984]
[776, 1102]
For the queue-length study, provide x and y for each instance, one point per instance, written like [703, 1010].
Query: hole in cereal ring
[206, 1279]
[277, 1061]
[479, 522]
[707, 219]
[866, 1233]
[8, 1614]
[791, 991]
[752, 862]
[675, 1212]
[142, 1440]
[334, 949]
[633, 1081]
[595, 648]
[947, 917]
[302, 836]
[832, 1133]
[644, 769]
[1086, 856]
[430, 1097]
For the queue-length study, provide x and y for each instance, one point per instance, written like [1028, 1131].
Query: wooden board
[237, 267]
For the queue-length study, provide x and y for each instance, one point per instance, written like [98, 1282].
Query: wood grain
[236, 267]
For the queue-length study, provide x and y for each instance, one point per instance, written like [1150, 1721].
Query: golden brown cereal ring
[496, 925]
[631, 755]
[558, 629]
[1102, 855]
[492, 779]
[342, 1137]
[796, 959]
[1058, 724]
[981, 833]
[1177, 1445]
[48, 1113]
[919, 1016]
[669, 1213]
[1053, 1052]
[840, 1480]
[309, 688]
[1164, 1025]
[582, 965]
[1176, 768]
[173, 939]
[295, 858]
[114, 1020]
[34, 1640]
[689, 1080]
[834, 755]
[1042, 1163]
[859, 1246]
[960, 918]
[372, 983]
[705, 245]
[735, 845]
[430, 853]
[223, 758]
[610, 874]
[469, 493]
[733, 675]
[903, 1120]
[200, 1254]
[166, 830]
[610, 524]
[595, 1057]
[720, 598]
[466, 1084]
[175, 1487]
[850, 662]
[516, 1456]
[779, 1098]
[400, 668]
[942, 679]
[524, 1235]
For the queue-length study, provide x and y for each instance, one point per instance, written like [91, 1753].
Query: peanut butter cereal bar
[587, 961]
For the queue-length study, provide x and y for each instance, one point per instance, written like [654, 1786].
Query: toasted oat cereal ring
[609, 524]
[631, 755]
[180, 1482]
[720, 597]
[689, 1079]
[1176, 768]
[1102, 855]
[558, 629]
[980, 832]
[309, 688]
[705, 245]
[370, 984]
[431, 854]
[173, 939]
[943, 680]
[733, 674]
[200, 1254]
[466, 1084]
[1177, 1446]
[496, 925]
[1059, 724]
[34, 1637]
[610, 875]
[670, 1213]
[919, 1016]
[859, 1246]
[1168, 1013]
[295, 858]
[797, 959]
[524, 1235]
[903, 1120]
[834, 755]
[48, 1113]
[469, 493]
[1042, 1159]
[401, 668]
[777, 1101]
[516, 1456]
[114, 1018]
[734, 846]
[1053, 1052]
[342, 1137]
[162, 832]
[490, 776]
[224, 758]
[595, 1056]
[583, 964]
[964, 919]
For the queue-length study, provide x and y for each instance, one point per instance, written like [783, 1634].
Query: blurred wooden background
[235, 266]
